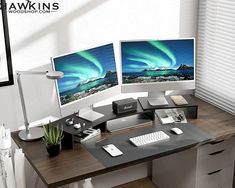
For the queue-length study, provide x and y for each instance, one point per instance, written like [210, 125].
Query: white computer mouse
[176, 130]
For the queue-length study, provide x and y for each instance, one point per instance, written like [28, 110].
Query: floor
[141, 183]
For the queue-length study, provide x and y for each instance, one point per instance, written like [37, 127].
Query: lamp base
[35, 133]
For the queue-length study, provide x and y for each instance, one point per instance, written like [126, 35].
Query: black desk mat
[191, 136]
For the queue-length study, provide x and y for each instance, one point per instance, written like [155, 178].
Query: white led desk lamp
[35, 133]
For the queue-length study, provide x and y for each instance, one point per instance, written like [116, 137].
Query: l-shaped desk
[76, 164]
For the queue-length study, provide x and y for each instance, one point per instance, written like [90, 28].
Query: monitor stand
[157, 99]
[88, 114]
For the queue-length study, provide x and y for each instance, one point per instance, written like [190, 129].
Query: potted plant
[53, 136]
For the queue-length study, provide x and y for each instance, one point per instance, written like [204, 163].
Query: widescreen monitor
[156, 66]
[89, 76]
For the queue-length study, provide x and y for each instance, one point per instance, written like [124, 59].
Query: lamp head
[54, 75]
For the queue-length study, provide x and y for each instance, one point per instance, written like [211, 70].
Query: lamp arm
[26, 122]
[31, 72]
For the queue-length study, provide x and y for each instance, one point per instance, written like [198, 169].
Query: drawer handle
[217, 171]
[217, 152]
[216, 142]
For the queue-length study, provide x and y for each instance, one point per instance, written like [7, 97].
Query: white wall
[78, 24]
[188, 18]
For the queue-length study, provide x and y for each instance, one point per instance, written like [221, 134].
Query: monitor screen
[85, 73]
[155, 61]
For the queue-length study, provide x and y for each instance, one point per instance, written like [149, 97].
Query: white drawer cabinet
[218, 179]
[215, 165]
[211, 163]
[209, 166]
[216, 146]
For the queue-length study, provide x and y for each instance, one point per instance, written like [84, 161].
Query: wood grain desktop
[77, 164]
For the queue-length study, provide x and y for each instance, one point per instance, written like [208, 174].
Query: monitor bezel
[160, 86]
[115, 88]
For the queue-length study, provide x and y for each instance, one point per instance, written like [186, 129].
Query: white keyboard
[149, 138]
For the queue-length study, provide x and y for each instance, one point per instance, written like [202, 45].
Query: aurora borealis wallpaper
[86, 72]
[157, 61]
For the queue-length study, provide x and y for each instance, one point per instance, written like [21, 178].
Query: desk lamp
[33, 133]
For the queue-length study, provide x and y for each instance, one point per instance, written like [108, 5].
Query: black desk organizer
[143, 108]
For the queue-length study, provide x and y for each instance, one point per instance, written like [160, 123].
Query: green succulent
[53, 135]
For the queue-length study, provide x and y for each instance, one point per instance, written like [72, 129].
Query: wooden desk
[215, 121]
[77, 164]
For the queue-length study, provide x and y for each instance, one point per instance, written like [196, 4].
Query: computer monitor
[90, 76]
[155, 66]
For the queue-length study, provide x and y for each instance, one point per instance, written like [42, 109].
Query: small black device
[124, 106]
[69, 121]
